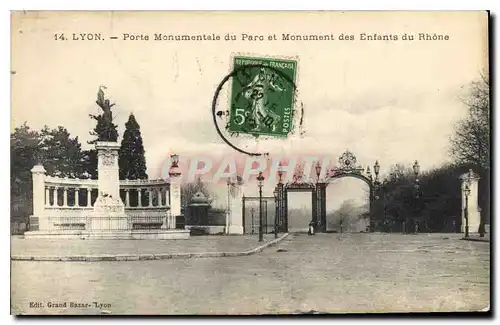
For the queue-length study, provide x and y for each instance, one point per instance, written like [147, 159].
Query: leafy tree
[89, 162]
[435, 207]
[59, 153]
[131, 157]
[25, 152]
[62, 153]
[104, 130]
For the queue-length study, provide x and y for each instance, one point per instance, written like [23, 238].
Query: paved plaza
[335, 273]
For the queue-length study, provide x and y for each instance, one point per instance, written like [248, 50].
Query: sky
[391, 101]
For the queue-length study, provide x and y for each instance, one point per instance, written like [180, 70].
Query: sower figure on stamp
[256, 91]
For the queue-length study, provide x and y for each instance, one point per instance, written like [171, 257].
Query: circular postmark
[262, 96]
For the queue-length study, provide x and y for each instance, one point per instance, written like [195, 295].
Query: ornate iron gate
[347, 168]
[251, 216]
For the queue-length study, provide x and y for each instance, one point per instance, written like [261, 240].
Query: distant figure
[311, 228]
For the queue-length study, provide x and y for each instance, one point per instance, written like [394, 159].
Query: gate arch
[347, 167]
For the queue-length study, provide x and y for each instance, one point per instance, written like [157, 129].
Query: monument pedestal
[109, 214]
[109, 218]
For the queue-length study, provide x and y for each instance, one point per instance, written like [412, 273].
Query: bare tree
[399, 172]
[188, 190]
[471, 142]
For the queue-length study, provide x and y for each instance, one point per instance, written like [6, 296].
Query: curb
[145, 257]
[476, 239]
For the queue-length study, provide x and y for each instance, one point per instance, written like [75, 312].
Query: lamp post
[280, 208]
[318, 195]
[416, 171]
[275, 193]
[260, 178]
[376, 169]
[466, 212]
[376, 183]
[318, 171]
[228, 213]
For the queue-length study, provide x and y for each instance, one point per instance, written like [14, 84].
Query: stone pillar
[65, 196]
[47, 197]
[139, 197]
[77, 199]
[89, 197]
[127, 197]
[236, 214]
[54, 196]
[160, 197]
[175, 190]
[150, 194]
[472, 180]
[38, 175]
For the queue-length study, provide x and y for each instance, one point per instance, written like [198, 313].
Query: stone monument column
[109, 210]
[175, 191]
[38, 174]
[472, 180]
[236, 207]
[107, 164]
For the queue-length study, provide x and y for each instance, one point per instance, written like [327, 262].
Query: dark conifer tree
[131, 157]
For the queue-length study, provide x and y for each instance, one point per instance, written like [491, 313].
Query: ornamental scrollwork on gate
[300, 185]
[347, 165]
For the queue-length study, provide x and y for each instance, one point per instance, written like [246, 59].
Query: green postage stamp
[262, 96]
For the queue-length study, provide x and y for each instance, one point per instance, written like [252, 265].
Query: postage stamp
[262, 96]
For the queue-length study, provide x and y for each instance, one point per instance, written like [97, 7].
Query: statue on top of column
[105, 105]
[105, 129]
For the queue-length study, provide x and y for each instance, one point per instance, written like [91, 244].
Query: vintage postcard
[249, 163]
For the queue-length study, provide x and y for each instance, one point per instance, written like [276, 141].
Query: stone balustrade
[69, 193]
[68, 202]
[106, 208]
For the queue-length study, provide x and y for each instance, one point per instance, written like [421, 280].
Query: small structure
[198, 210]
[198, 215]
[470, 190]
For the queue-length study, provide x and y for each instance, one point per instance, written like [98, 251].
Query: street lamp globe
[318, 169]
[416, 168]
[175, 160]
[376, 168]
[280, 171]
[260, 178]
